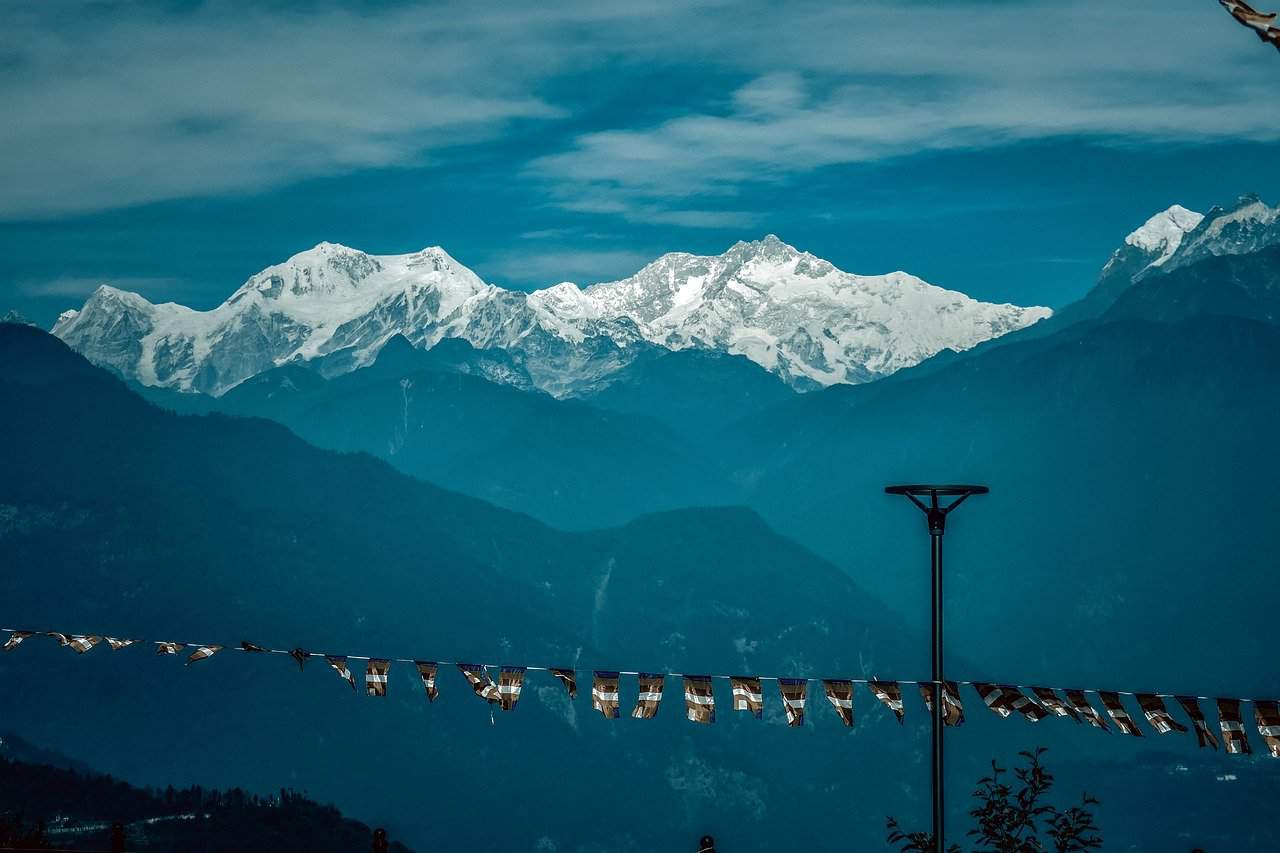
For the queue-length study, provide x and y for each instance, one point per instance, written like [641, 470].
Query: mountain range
[1124, 439]
[795, 315]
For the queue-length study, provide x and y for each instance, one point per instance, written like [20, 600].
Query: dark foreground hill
[47, 807]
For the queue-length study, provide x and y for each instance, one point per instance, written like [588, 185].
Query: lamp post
[936, 517]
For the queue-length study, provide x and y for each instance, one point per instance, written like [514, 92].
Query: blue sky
[1002, 149]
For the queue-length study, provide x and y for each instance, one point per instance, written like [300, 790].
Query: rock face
[790, 312]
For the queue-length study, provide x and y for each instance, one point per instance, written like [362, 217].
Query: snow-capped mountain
[1178, 237]
[795, 314]
[787, 310]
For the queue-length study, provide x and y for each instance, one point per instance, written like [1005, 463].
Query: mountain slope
[117, 515]
[1122, 457]
[565, 462]
[788, 311]
[695, 392]
[1168, 241]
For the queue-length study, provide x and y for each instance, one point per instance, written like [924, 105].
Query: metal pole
[936, 516]
[939, 809]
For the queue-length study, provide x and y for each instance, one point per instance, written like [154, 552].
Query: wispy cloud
[107, 106]
[114, 105]
[155, 289]
[855, 83]
[532, 269]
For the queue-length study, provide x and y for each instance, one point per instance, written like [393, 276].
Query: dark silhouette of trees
[15, 834]
[194, 819]
[1012, 816]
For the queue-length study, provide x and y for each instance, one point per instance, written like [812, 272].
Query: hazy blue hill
[693, 391]
[116, 515]
[563, 461]
[1231, 285]
[1125, 460]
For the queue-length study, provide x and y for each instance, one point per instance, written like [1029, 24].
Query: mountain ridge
[792, 313]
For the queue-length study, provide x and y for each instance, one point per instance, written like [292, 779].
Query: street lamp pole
[936, 517]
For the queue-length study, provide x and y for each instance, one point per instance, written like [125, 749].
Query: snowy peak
[789, 311]
[1244, 227]
[1162, 234]
[798, 315]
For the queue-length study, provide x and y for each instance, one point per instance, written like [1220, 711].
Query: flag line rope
[576, 669]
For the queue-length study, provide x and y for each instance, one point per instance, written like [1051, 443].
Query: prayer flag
[794, 692]
[1233, 734]
[890, 694]
[15, 639]
[604, 693]
[840, 695]
[478, 677]
[747, 695]
[82, 643]
[1117, 712]
[1153, 708]
[1087, 712]
[1267, 715]
[203, 652]
[651, 684]
[339, 664]
[510, 682]
[1191, 706]
[699, 699]
[1053, 704]
[375, 676]
[427, 672]
[952, 707]
[569, 679]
